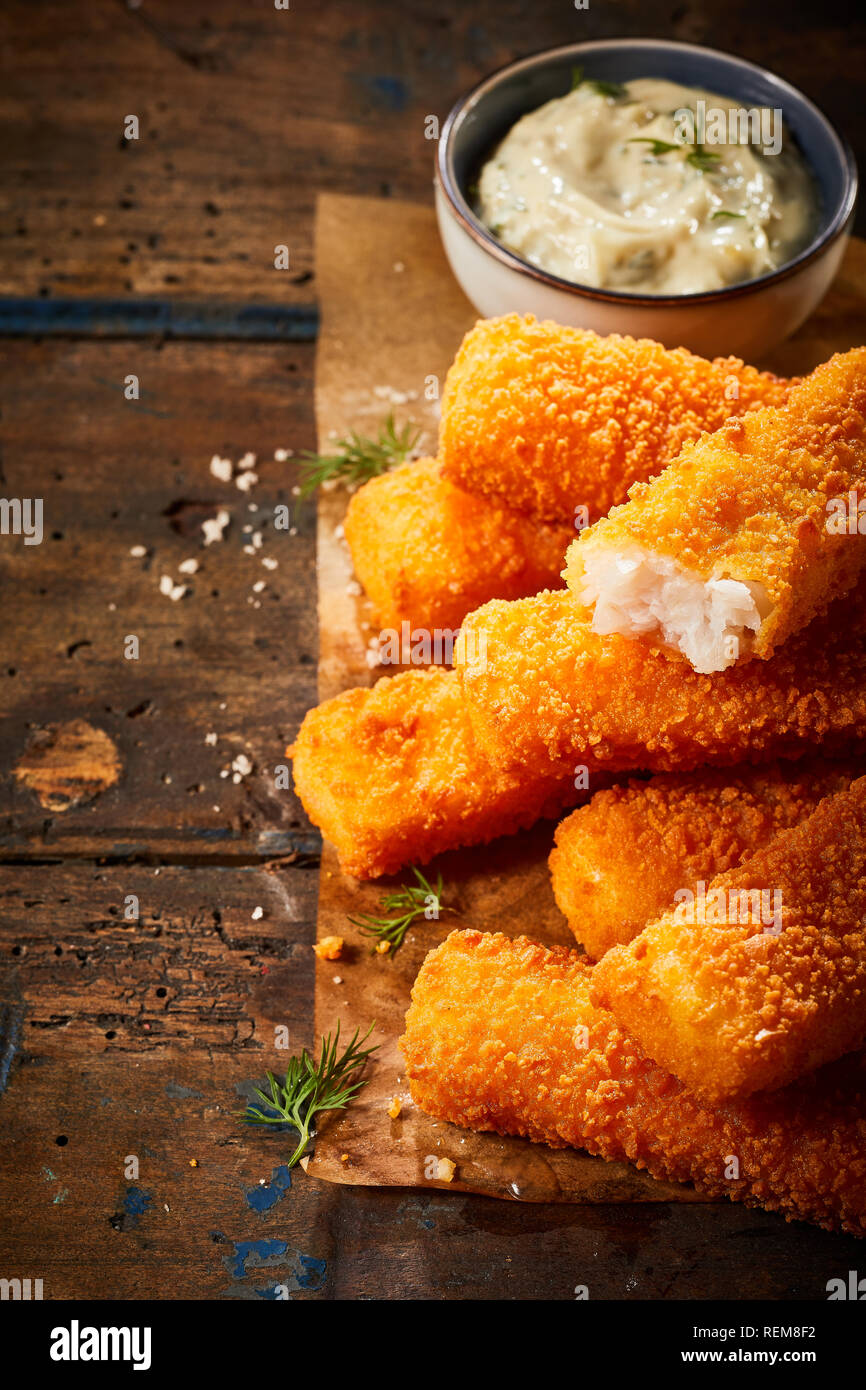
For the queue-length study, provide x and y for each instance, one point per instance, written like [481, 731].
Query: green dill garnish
[614, 90]
[723, 212]
[313, 1087]
[702, 160]
[604, 89]
[357, 459]
[658, 146]
[410, 901]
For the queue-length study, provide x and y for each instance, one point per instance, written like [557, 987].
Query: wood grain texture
[115, 474]
[126, 1037]
[246, 111]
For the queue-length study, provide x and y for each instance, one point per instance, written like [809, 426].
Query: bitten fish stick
[427, 553]
[546, 418]
[392, 776]
[546, 692]
[761, 978]
[619, 860]
[501, 1036]
[734, 546]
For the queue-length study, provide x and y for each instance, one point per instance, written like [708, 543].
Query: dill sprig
[658, 146]
[313, 1087]
[702, 159]
[411, 901]
[604, 89]
[608, 89]
[356, 459]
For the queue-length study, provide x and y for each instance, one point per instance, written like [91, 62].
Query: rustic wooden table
[128, 1041]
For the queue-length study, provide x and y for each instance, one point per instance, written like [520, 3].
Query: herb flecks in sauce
[600, 188]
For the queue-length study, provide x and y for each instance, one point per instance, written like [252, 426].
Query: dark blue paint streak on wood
[11, 1019]
[130, 318]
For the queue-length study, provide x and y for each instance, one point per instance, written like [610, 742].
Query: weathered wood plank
[224, 659]
[140, 1039]
[245, 111]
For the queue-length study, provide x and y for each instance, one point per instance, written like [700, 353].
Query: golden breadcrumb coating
[551, 693]
[547, 418]
[427, 553]
[501, 1036]
[429, 761]
[752, 503]
[765, 978]
[619, 860]
[392, 776]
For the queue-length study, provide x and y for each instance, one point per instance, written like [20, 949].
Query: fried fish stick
[619, 860]
[762, 977]
[501, 1035]
[547, 418]
[546, 692]
[392, 776]
[427, 553]
[733, 547]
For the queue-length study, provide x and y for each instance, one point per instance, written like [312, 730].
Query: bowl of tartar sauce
[647, 188]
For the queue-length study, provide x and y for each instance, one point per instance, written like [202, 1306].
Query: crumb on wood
[329, 948]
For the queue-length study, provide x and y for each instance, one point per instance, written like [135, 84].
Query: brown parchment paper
[392, 318]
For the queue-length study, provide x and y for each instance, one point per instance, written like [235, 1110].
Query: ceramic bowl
[746, 319]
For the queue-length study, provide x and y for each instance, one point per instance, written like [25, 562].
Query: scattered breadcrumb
[383, 948]
[241, 765]
[210, 739]
[395, 1107]
[221, 468]
[188, 566]
[445, 1169]
[171, 590]
[338, 979]
[329, 948]
[246, 480]
[193, 1163]
[393, 396]
[281, 455]
[259, 586]
[213, 527]
[258, 913]
[344, 1158]
[137, 551]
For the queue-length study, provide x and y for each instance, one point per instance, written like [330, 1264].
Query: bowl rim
[475, 228]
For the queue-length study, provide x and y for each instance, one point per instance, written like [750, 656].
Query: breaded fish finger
[547, 418]
[762, 977]
[619, 860]
[731, 549]
[427, 553]
[392, 776]
[545, 691]
[501, 1036]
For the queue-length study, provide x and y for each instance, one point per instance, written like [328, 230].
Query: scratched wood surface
[124, 1038]
[245, 111]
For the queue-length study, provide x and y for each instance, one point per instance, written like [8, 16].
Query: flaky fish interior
[638, 593]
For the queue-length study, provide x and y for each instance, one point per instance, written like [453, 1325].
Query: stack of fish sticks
[544, 428]
[711, 1026]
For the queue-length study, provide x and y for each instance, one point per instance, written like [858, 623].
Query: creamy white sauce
[577, 189]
